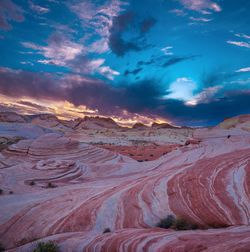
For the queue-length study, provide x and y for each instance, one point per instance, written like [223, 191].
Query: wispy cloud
[202, 6]
[245, 40]
[205, 96]
[242, 35]
[38, 9]
[243, 70]
[239, 43]
[9, 11]
[201, 19]
[167, 50]
[98, 19]
[59, 50]
[178, 12]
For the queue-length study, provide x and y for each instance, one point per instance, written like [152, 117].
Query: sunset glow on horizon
[179, 61]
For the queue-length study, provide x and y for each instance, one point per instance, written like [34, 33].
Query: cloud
[239, 43]
[97, 20]
[59, 50]
[200, 19]
[167, 50]
[38, 9]
[93, 93]
[177, 59]
[147, 97]
[117, 44]
[164, 61]
[107, 72]
[62, 51]
[205, 96]
[217, 77]
[9, 11]
[124, 22]
[178, 12]
[182, 89]
[17, 83]
[243, 70]
[242, 35]
[202, 6]
[147, 24]
[145, 63]
[134, 72]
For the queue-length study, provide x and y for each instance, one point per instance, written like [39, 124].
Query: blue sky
[183, 60]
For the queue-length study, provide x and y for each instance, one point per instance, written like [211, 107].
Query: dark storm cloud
[134, 72]
[218, 77]
[123, 23]
[116, 42]
[165, 61]
[231, 104]
[145, 97]
[147, 24]
[177, 59]
[145, 63]
[19, 83]
[8, 12]
[93, 93]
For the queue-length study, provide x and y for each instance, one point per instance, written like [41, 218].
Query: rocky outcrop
[12, 117]
[242, 122]
[163, 126]
[96, 123]
[92, 189]
[140, 126]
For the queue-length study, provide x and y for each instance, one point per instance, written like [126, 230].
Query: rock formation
[70, 192]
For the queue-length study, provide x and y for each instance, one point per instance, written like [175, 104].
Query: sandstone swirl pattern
[206, 183]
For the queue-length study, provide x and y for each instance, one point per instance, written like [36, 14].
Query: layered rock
[163, 126]
[242, 122]
[140, 126]
[93, 189]
[96, 123]
[12, 117]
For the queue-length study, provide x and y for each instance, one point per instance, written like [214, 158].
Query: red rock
[95, 189]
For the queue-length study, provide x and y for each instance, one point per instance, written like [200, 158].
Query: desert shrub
[49, 246]
[1, 191]
[181, 224]
[50, 185]
[218, 225]
[166, 222]
[106, 230]
[2, 249]
[11, 192]
[176, 223]
[31, 183]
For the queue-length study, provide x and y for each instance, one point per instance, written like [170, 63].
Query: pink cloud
[8, 12]
[201, 5]
[59, 50]
[38, 9]
[99, 19]
[239, 43]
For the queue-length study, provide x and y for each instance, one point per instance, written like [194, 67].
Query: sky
[181, 61]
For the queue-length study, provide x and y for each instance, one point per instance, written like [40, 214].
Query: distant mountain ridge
[98, 122]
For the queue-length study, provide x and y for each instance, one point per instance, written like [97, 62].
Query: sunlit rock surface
[68, 190]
